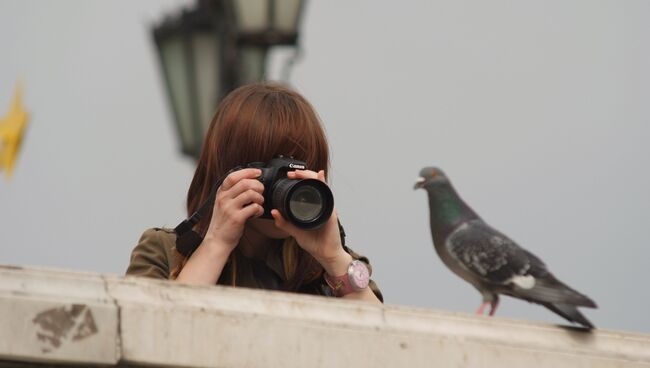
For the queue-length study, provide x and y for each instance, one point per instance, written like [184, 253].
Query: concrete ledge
[150, 322]
[57, 316]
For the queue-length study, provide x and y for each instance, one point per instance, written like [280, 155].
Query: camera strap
[187, 240]
[341, 232]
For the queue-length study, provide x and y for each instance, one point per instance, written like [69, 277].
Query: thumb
[281, 223]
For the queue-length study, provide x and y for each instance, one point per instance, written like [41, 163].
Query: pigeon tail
[570, 312]
[552, 290]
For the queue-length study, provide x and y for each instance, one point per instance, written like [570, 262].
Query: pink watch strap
[340, 284]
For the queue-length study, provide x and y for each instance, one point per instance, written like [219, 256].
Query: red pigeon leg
[494, 305]
[479, 311]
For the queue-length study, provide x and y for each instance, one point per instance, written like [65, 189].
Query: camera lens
[307, 203]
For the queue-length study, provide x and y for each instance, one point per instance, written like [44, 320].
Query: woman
[256, 123]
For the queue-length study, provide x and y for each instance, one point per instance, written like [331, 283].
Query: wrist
[337, 265]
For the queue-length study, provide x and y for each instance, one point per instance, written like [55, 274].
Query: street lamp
[209, 50]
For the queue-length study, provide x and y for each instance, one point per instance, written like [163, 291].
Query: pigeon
[488, 259]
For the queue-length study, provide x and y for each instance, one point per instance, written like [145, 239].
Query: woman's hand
[324, 243]
[239, 198]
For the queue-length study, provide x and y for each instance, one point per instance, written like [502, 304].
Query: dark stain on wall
[67, 323]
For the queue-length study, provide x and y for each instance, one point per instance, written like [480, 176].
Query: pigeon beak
[419, 183]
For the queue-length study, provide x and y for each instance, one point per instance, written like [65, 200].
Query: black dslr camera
[307, 203]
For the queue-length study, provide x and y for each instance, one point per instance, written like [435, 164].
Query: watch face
[359, 275]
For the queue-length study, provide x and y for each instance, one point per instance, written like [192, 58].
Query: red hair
[255, 123]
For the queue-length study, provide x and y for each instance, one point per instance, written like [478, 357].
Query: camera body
[307, 203]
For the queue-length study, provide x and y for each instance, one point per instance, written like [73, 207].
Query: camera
[306, 203]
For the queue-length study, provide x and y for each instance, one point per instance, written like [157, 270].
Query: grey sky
[536, 110]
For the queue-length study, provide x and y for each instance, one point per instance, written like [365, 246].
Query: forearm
[206, 264]
[364, 295]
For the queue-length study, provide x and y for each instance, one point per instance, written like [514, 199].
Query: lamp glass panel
[252, 15]
[207, 64]
[253, 62]
[286, 15]
[174, 63]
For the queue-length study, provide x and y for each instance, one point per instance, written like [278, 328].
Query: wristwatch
[356, 279]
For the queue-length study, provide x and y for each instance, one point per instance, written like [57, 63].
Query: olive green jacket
[155, 257]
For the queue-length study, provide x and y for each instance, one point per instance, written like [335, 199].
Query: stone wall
[72, 318]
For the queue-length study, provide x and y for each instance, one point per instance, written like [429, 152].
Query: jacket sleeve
[372, 285]
[149, 258]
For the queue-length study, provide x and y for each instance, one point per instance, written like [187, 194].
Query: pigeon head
[446, 208]
[430, 176]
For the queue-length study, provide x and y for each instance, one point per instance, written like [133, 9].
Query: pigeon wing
[493, 257]
[497, 261]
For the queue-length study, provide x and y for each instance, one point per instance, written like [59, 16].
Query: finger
[244, 185]
[247, 197]
[307, 174]
[302, 174]
[236, 176]
[281, 223]
[250, 211]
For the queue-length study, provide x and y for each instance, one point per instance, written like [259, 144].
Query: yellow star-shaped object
[12, 128]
